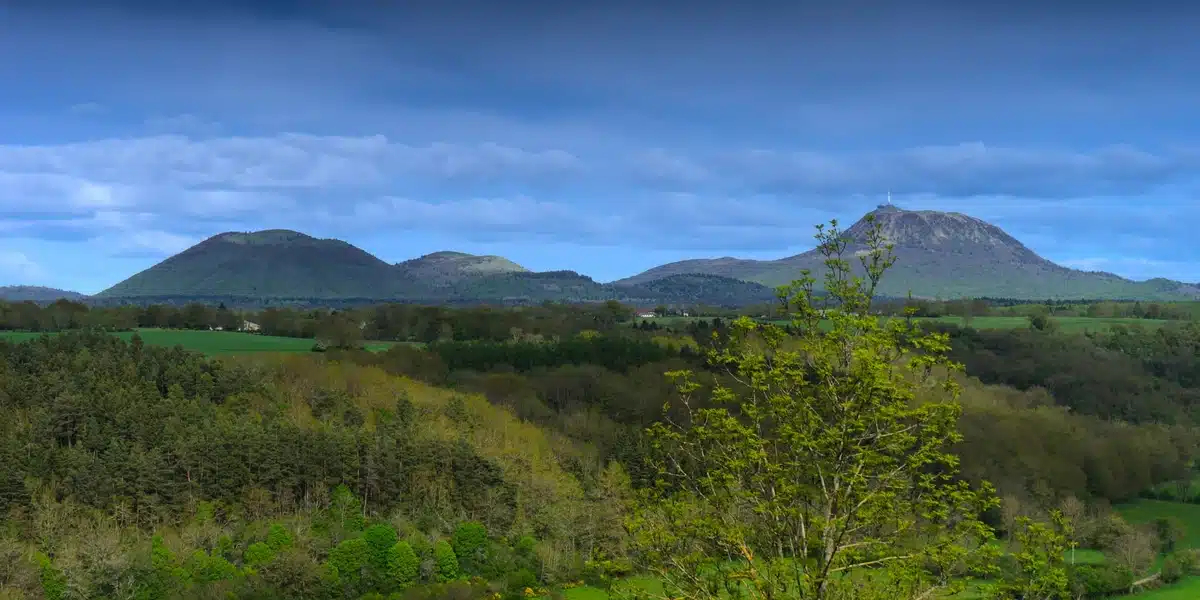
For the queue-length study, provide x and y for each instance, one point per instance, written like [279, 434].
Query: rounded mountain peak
[937, 230]
[264, 237]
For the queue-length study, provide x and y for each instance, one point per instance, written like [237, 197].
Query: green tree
[820, 461]
[1041, 570]
[446, 561]
[380, 538]
[278, 537]
[350, 559]
[403, 564]
[258, 554]
[470, 546]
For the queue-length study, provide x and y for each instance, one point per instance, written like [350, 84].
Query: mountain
[36, 293]
[942, 255]
[282, 266]
[276, 263]
[711, 290]
[449, 266]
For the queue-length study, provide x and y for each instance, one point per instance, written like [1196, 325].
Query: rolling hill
[36, 293]
[447, 266]
[283, 265]
[275, 263]
[942, 255]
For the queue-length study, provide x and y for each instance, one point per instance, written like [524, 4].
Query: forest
[541, 451]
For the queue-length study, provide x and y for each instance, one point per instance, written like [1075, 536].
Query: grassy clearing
[1146, 511]
[210, 342]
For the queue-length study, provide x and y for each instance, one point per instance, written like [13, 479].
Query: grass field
[1066, 324]
[1146, 511]
[210, 342]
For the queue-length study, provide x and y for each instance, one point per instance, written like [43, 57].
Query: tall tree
[820, 473]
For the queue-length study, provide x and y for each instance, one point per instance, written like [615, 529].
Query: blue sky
[605, 139]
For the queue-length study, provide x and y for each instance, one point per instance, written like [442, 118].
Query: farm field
[1065, 324]
[210, 342]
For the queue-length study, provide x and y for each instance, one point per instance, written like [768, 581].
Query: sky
[604, 138]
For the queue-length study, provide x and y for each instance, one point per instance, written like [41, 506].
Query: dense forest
[520, 452]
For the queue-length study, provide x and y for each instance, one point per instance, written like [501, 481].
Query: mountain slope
[945, 255]
[449, 266]
[710, 290]
[281, 264]
[275, 263]
[36, 293]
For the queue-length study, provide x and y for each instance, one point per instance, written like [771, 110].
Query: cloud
[16, 266]
[713, 128]
[954, 171]
[748, 198]
[87, 108]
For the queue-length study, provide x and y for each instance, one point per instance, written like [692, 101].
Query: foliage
[819, 466]
[403, 566]
[1040, 567]
[446, 561]
[470, 546]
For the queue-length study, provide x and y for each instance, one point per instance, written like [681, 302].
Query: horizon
[844, 225]
[604, 140]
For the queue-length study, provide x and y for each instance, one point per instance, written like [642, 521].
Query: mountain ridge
[939, 255]
[942, 255]
[37, 293]
[278, 264]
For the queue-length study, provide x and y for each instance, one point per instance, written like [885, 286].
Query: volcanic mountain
[280, 264]
[943, 255]
[449, 266]
[276, 263]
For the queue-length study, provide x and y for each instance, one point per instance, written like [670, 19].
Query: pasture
[209, 342]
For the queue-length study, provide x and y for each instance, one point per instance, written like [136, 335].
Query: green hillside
[287, 266]
[265, 264]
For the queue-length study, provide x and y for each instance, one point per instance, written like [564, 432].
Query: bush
[1093, 581]
[1172, 570]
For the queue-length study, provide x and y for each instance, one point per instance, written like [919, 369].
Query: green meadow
[210, 342]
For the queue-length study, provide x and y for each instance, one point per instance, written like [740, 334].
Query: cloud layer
[652, 131]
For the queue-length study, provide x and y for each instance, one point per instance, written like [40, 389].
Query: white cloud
[19, 268]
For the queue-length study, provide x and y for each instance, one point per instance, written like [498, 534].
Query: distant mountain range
[943, 255]
[939, 255]
[287, 265]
